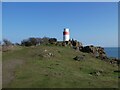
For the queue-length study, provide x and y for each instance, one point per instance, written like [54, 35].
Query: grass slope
[28, 67]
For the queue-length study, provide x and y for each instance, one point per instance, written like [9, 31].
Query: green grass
[59, 70]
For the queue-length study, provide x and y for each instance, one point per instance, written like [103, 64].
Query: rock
[64, 44]
[50, 54]
[71, 43]
[78, 58]
[80, 48]
[114, 61]
[46, 55]
[97, 52]
[75, 43]
[86, 49]
[96, 73]
[45, 50]
[76, 48]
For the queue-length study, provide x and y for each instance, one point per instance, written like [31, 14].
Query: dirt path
[8, 70]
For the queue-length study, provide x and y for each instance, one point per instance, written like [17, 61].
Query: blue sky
[89, 22]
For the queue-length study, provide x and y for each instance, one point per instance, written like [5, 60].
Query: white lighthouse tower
[66, 34]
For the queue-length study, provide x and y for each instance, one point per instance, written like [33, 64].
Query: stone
[50, 54]
[96, 73]
[45, 50]
[78, 58]
[64, 44]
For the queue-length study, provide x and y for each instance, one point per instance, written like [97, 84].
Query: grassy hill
[54, 67]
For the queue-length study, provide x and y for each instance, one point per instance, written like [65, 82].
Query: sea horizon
[112, 52]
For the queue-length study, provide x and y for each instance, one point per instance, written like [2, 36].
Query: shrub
[29, 42]
[45, 40]
[52, 40]
[7, 42]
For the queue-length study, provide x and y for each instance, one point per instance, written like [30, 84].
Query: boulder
[45, 50]
[76, 43]
[78, 58]
[50, 54]
[114, 61]
[64, 44]
[80, 48]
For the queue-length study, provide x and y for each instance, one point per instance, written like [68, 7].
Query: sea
[112, 52]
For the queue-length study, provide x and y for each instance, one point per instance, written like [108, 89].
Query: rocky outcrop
[114, 61]
[76, 43]
[71, 43]
[97, 52]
